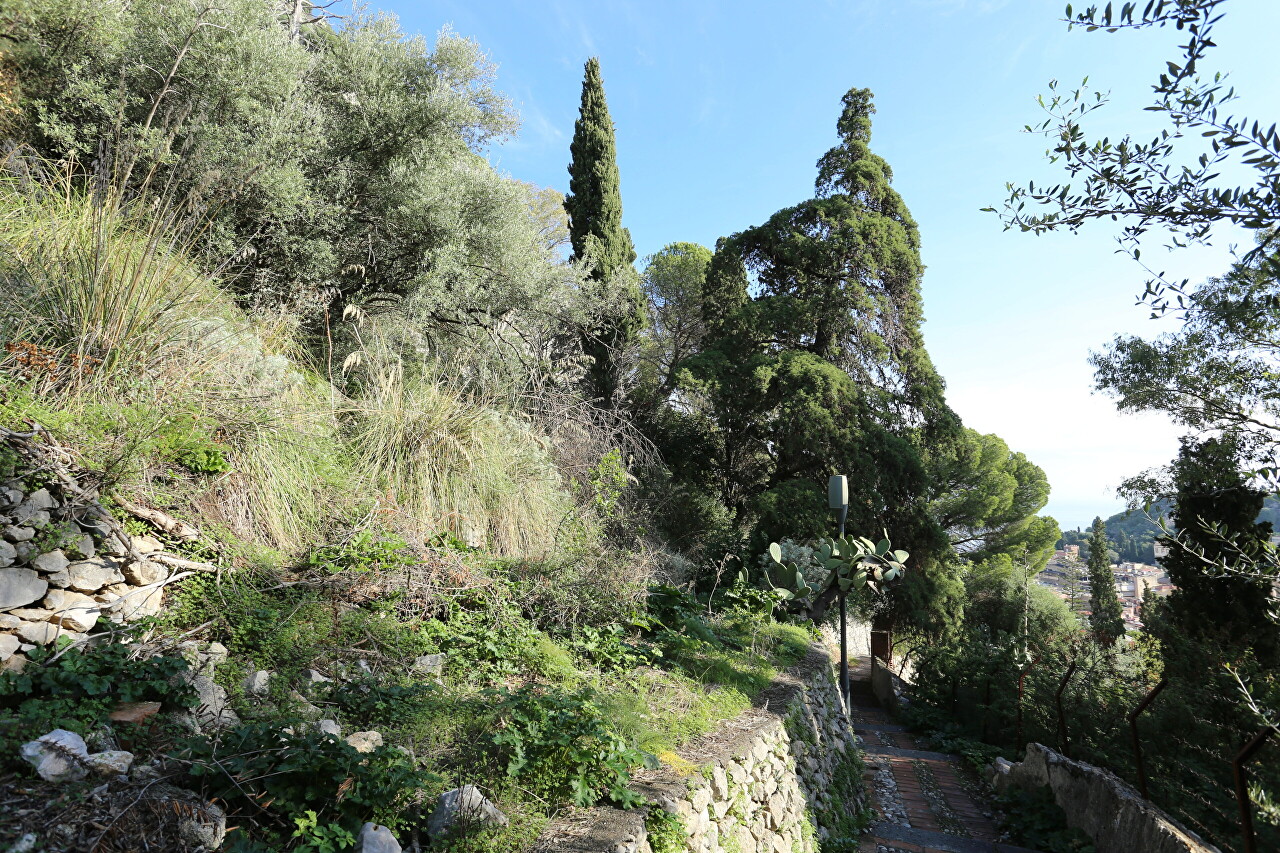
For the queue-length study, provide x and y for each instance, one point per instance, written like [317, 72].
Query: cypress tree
[1105, 617]
[594, 205]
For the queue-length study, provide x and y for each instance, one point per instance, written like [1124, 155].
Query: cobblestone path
[925, 801]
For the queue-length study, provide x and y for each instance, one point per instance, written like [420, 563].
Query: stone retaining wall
[781, 777]
[1099, 804]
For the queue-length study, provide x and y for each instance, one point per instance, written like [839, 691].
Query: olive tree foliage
[333, 167]
[1180, 180]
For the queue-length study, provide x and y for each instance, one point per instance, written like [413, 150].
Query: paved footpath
[925, 802]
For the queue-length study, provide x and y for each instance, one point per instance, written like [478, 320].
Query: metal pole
[844, 642]
[1062, 718]
[1242, 788]
[1137, 744]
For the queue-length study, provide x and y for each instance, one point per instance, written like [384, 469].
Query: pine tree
[594, 205]
[1105, 618]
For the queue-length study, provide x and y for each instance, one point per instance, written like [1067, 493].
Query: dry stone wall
[784, 777]
[67, 569]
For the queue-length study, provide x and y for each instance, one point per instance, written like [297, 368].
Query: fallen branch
[170, 525]
[180, 562]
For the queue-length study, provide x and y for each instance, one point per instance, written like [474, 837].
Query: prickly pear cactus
[853, 564]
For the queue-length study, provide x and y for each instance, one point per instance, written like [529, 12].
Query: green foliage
[1035, 820]
[363, 551]
[852, 565]
[665, 831]
[280, 778]
[1105, 617]
[79, 689]
[560, 746]
[594, 205]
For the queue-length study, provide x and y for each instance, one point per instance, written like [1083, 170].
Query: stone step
[878, 727]
[890, 833]
[899, 752]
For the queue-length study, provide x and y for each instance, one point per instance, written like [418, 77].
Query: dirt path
[925, 801]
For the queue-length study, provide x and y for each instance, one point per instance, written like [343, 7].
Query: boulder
[365, 741]
[329, 727]
[72, 610]
[58, 756]
[143, 572]
[146, 544]
[429, 664]
[376, 839]
[212, 710]
[316, 677]
[9, 622]
[40, 633]
[19, 587]
[54, 561]
[112, 762]
[14, 664]
[26, 844]
[138, 603]
[258, 683]
[8, 554]
[30, 614]
[14, 533]
[465, 806]
[8, 646]
[92, 575]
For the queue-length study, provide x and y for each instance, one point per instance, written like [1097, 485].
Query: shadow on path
[925, 802]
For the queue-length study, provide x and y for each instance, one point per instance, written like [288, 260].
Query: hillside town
[1066, 575]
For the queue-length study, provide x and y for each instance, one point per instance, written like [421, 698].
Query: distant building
[1072, 551]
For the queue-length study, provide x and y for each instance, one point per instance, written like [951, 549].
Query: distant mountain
[1132, 533]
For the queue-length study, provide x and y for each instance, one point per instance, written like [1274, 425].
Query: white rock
[93, 575]
[376, 839]
[14, 664]
[7, 554]
[9, 622]
[25, 844]
[19, 587]
[14, 533]
[365, 741]
[258, 683]
[143, 572]
[329, 727]
[54, 561]
[316, 677]
[138, 603]
[40, 499]
[9, 645]
[72, 610]
[58, 756]
[212, 710]
[113, 762]
[146, 544]
[40, 633]
[463, 805]
[31, 614]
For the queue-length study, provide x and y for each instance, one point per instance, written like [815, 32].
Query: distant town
[1067, 576]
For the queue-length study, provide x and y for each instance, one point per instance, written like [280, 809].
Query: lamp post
[838, 500]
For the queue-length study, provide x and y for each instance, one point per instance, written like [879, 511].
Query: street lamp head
[838, 492]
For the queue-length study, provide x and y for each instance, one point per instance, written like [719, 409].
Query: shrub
[560, 746]
[302, 780]
[78, 689]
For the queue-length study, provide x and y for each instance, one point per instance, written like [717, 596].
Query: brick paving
[942, 813]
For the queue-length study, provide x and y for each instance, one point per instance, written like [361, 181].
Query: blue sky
[723, 108]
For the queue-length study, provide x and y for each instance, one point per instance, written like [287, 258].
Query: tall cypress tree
[1105, 617]
[594, 205]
